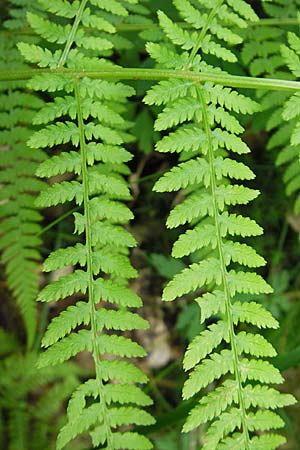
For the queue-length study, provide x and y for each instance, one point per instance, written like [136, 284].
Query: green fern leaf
[111, 6]
[211, 304]
[175, 33]
[65, 162]
[67, 321]
[111, 292]
[50, 31]
[36, 54]
[242, 254]
[119, 346]
[193, 278]
[109, 234]
[264, 420]
[122, 371]
[260, 370]
[66, 348]
[190, 172]
[192, 240]
[65, 256]
[254, 313]
[238, 225]
[186, 138]
[254, 345]
[127, 393]
[128, 415]
[210, 369]
[120, 320]
[266, 397]
[212, 405]
[65, 286]
[267, 442]
[61, 8]
[61, 193]
[247, 283]
[82, 423]
[131, 441]
[205, 343]
[57, 134]
[167, 91]
[87, 115]
[226, 423]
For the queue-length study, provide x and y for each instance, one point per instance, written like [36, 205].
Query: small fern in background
[206, 130]
[31, 399]
[96, 164]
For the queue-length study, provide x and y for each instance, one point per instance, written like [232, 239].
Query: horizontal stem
[262, 22]
[128, 27]
[157, 75]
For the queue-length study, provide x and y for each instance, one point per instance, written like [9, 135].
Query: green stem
[57, 221]
[213, 187]
[131, 27]
[71, 36]
[89, 251]
[224, 79]
[277, 256]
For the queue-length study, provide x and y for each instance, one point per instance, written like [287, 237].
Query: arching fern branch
[92, 137]
[267, 60]
[241, 407]
[19, 217]
[289, 133]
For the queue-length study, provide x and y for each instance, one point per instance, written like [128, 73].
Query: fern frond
[198, 123]
[86, 117]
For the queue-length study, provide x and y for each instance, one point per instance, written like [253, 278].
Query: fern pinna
[85, 121]
[19, 216]
[204, 129]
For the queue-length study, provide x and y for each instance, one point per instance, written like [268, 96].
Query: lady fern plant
[205, 132]
[85, 120]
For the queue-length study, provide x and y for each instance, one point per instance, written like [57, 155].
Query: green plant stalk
[88, 244]
[72, 33]
[57, 221]
[136, 27]
[224, 274]
[234, 81]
